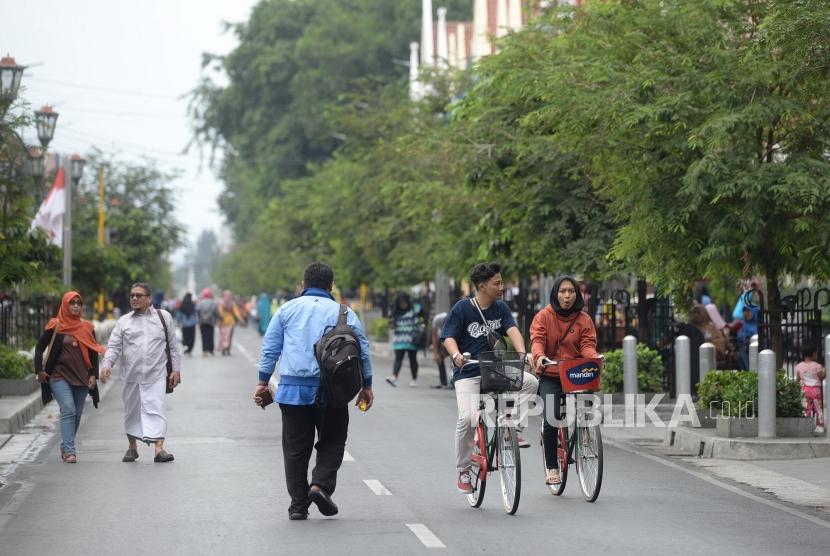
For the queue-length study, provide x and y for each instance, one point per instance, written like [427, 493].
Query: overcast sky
[115, 70]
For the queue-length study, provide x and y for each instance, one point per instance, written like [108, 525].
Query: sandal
[553, 477]
[69, 458]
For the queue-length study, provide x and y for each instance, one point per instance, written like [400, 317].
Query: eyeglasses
[76, 302]
[137, 295]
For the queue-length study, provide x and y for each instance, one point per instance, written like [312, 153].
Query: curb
[707, 445]
[16, 411]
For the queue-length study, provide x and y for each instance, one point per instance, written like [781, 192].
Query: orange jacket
[548, 328]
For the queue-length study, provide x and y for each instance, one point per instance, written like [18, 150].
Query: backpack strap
[341, 318]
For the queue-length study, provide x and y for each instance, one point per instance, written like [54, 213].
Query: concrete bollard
[682, 367]
[753, 356]
[708, 361]
[630, 365]
[766, 394]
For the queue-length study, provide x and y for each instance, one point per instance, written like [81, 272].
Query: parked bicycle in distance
[584, 446]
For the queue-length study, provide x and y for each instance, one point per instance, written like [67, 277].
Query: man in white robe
[139, 339]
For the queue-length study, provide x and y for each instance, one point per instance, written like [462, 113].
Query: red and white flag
[50, 214]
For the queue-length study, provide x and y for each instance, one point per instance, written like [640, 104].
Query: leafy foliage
[12, 364]
[649, 370]
[735, 393]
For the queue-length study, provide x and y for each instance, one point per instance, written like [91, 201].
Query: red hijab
[80, 329]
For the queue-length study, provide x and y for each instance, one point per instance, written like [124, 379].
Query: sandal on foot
[130, 455]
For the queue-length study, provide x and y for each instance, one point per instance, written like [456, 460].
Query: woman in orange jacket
[562, 330]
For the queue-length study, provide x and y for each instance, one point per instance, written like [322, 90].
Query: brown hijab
[70, 325]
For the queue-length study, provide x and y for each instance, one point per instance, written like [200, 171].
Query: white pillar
[707, 359]
[443, 51]
[502, 18]
[427, 40]
[515, 12]
[753, 355]
[481, 30]
[630, 365]
[682, 367]
[461, 46]
[766, 394]
[414, 81]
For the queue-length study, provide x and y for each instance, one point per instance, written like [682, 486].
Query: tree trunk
[774, 309]
[642, 312]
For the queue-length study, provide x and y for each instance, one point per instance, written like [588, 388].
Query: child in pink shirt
[810, 373]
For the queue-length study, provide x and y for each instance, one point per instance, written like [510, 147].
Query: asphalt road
[225, 492]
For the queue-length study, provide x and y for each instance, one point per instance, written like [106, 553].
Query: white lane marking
[377, 487]
[347, 456]
[246, 354]
[427, 537]
[17, 499]
[725, 486]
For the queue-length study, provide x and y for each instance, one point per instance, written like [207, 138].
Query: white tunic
[138, 338]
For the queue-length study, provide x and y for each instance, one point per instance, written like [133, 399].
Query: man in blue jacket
[290, 339]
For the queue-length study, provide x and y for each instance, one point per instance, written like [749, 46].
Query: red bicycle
[584, 446]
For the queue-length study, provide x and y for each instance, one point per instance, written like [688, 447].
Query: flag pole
[67, 223]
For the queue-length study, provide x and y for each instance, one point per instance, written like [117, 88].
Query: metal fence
[801, 324]
[22, 320]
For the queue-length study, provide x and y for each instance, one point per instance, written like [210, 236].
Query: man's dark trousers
[299, 424]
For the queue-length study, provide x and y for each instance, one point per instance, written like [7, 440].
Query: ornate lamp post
[45, 119]
[10, 74]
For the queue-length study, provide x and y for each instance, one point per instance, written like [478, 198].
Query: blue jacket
[290, 339]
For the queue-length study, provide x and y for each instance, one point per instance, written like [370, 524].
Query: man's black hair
[318, 275]
[483, 272]
[144, 286]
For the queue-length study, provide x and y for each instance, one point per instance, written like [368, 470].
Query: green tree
[705, 134]
[142, 229]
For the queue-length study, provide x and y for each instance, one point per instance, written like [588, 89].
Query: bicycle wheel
[561, 459]
[478, 468]
[510, 468]
[589, 460]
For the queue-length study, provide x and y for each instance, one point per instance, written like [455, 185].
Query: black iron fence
[22, 320]
[801, 325]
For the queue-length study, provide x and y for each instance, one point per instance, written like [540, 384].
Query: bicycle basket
[580, 375]
[501, 371]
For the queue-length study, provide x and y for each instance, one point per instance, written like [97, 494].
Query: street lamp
[10, 74]
[77, 168]
[45, 119]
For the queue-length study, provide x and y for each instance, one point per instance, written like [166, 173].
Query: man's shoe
[413, 384]
[163, 457]
[324, 502]
[523, 442]
[463, 484]
[297, 516]
[391, 380]
[130, 455]
[437, 386]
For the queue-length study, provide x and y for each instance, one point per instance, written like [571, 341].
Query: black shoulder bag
[168, 389]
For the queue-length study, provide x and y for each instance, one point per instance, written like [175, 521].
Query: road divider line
[427, 537]
[377, 487]
[347, 456]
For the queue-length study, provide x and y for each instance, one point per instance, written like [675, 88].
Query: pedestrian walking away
[145, 341]
[810, 373]
[294, 330]
[562, 330]
[475, 325]
[439, 352]
[406, 321]
[187, 319]
[263, 313]
[71, 368]
[229, 315]
[208, 313]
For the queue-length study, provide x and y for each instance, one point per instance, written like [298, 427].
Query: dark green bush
[12, 364]
[736, 393]
[649, 370]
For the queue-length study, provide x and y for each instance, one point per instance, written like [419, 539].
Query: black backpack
[341, 367]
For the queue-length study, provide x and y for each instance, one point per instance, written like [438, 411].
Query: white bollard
[753, 356]
[766, 394]
[708, 361]
[630, 365]
[682, 367]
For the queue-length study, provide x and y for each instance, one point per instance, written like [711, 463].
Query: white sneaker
[819, 430]
[391, 380]
[413, 384]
